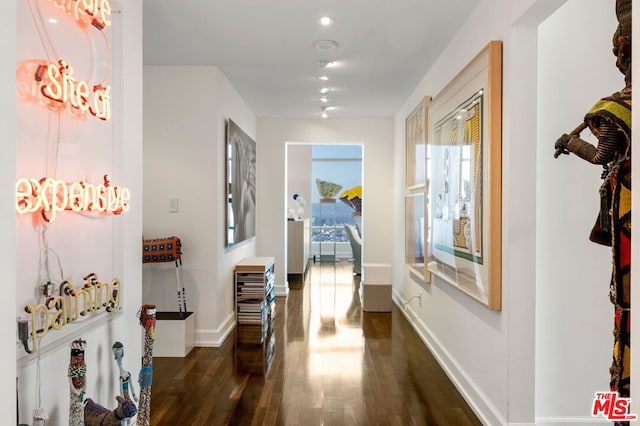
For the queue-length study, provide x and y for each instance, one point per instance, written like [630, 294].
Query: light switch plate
[173, 204]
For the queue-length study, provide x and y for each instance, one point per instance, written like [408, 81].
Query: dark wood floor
[332, 364]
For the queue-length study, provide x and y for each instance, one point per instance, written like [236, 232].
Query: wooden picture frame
[415, 242]
[416, 191]
[415, 144]
[464, 169]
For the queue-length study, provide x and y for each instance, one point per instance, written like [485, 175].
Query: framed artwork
[416, 190]
[464, 171]
[415, 137]
[415, 247]
[241, 185]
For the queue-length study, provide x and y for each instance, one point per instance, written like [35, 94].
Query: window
[340, 164]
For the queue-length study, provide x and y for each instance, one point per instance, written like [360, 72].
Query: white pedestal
[376, 287]
[376, 273]
[175, 336]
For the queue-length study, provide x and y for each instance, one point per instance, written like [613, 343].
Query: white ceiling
[266, 48]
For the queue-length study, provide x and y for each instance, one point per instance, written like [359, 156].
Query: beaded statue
[127, 390]
[610, 121]
[77, 381]
[97, 415]
[147, 315]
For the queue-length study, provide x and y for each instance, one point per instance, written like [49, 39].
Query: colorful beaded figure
[610, 121]
[77, 382]
[97, 415]
[147, 315]
[127, 390]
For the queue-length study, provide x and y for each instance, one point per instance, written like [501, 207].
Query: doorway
[319, 224]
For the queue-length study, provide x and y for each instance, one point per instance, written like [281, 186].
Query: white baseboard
[479, 403]
[562, 421]
[215, 338]
[282, 290]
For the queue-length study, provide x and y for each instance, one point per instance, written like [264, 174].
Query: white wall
[185, 109]
[489, 355]
[7, 210]
[299, 175]
[102, 381]
[554, 280]
[572, 273]
[376, 136]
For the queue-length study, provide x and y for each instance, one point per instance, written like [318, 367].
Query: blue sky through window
[345, 173]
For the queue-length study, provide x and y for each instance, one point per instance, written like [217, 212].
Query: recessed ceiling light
[326, 21]
[53, 20]
[324, 78]
[325, 90]
[326, 64]
[325, 45]
[324, 115]
[324, 99]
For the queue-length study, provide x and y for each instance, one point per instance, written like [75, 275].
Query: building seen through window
[340, 164]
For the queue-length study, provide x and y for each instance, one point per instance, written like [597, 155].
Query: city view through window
[340, 164]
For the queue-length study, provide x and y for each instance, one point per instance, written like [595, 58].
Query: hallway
[325, 363]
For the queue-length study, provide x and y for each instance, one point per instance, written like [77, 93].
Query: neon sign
[61, 86]
[51, 196]
[87, 12]
[55, 88]
[71, 304]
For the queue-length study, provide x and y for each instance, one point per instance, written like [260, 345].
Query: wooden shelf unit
[255, 311]
[255, 291]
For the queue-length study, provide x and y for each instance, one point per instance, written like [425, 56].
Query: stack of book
[251, 286]
[253, 312]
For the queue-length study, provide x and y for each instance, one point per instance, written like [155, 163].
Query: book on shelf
[254, 291]
[247, 276]
[249, 306]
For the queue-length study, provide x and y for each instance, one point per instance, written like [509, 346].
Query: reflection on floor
[325, 362]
